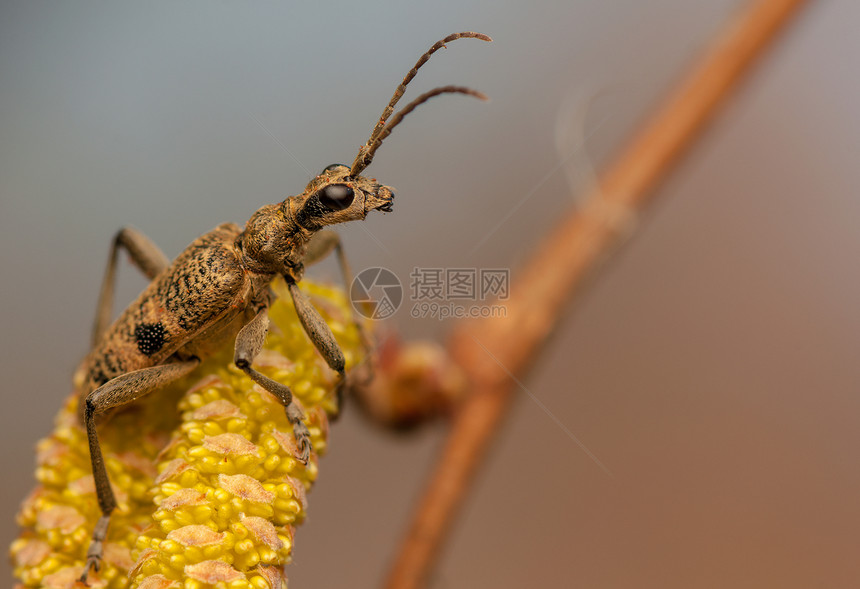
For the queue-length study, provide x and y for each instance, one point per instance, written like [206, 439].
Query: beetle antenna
[365, 156]
[401, 89]
[398, 94]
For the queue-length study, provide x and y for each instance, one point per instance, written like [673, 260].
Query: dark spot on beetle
[150, 337]
[111, 365]
[99, 378]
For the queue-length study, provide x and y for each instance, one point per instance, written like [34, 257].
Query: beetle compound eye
[332, 167]
[336, 197]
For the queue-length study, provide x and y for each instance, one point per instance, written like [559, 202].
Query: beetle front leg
[321, 245]
[249, 342]
[117, 392]
[320, 334]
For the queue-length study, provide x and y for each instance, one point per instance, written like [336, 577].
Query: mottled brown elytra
[219, 289]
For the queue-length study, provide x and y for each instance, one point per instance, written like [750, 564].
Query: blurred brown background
[711, 367]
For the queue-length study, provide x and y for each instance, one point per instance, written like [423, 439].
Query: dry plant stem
[493, 351]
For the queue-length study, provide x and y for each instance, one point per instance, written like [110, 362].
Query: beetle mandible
[219, 289]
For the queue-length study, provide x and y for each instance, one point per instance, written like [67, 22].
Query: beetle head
[334, 196]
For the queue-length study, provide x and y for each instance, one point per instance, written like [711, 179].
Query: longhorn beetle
[219, 289]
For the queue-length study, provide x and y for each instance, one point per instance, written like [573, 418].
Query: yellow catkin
[205, 472]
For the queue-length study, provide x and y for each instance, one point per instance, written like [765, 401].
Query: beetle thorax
[272, 242]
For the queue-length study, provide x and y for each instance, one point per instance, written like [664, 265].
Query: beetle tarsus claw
[94, 561]
[300, 430]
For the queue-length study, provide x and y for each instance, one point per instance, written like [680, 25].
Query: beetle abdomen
[205, 286]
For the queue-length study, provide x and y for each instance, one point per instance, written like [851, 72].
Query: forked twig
[491, 350]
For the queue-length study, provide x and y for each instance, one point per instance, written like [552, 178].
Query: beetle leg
[321, 245]
[143, 253]
[249, 342]
[320, 334]
[115, 393]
